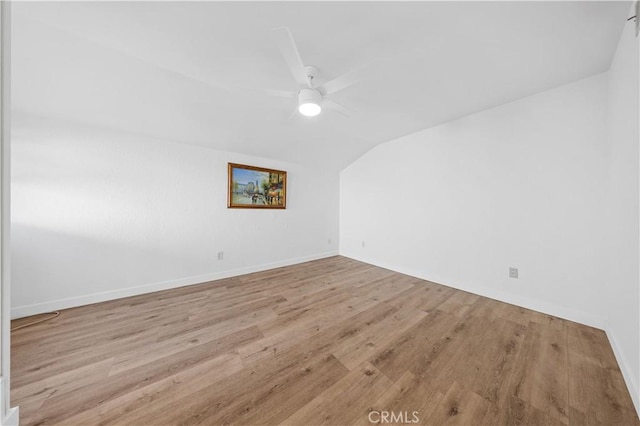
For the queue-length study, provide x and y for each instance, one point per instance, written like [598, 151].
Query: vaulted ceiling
[193, 72]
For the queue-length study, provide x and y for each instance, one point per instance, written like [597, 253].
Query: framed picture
[256, 187]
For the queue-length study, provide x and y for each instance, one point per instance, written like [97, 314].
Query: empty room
[319, 213]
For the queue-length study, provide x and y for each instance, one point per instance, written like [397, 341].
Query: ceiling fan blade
[337, 107]
[351, 77]
[279, 93]
[289, 51]
[343, 81]
[264, 92]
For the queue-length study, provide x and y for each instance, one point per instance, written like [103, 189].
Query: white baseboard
[535, 305]
[8, 416]
[54, 305]
[630, 381]
[12, 418]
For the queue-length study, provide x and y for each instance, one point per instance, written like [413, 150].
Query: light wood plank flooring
[333, 341]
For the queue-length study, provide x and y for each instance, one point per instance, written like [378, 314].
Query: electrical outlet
[363, 244]
[329, 240]
[513, 272]
[220, 255]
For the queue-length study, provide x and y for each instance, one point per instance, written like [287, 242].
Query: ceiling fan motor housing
[309, 96]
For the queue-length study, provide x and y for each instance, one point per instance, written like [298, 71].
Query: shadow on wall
[49, 265]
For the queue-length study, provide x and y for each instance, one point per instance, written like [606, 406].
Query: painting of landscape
[256, 187]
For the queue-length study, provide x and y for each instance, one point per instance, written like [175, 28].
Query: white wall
[98, 214]
[621, 287]
[519, 185]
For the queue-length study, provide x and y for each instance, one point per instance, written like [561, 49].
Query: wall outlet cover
[513, 272]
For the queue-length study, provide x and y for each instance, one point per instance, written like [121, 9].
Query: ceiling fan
[311, 98]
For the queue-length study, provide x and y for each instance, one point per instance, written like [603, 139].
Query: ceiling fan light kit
[309, 102]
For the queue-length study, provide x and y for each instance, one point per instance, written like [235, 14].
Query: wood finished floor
[324, 342]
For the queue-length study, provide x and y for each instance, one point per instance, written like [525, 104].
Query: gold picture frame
[251, 187]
